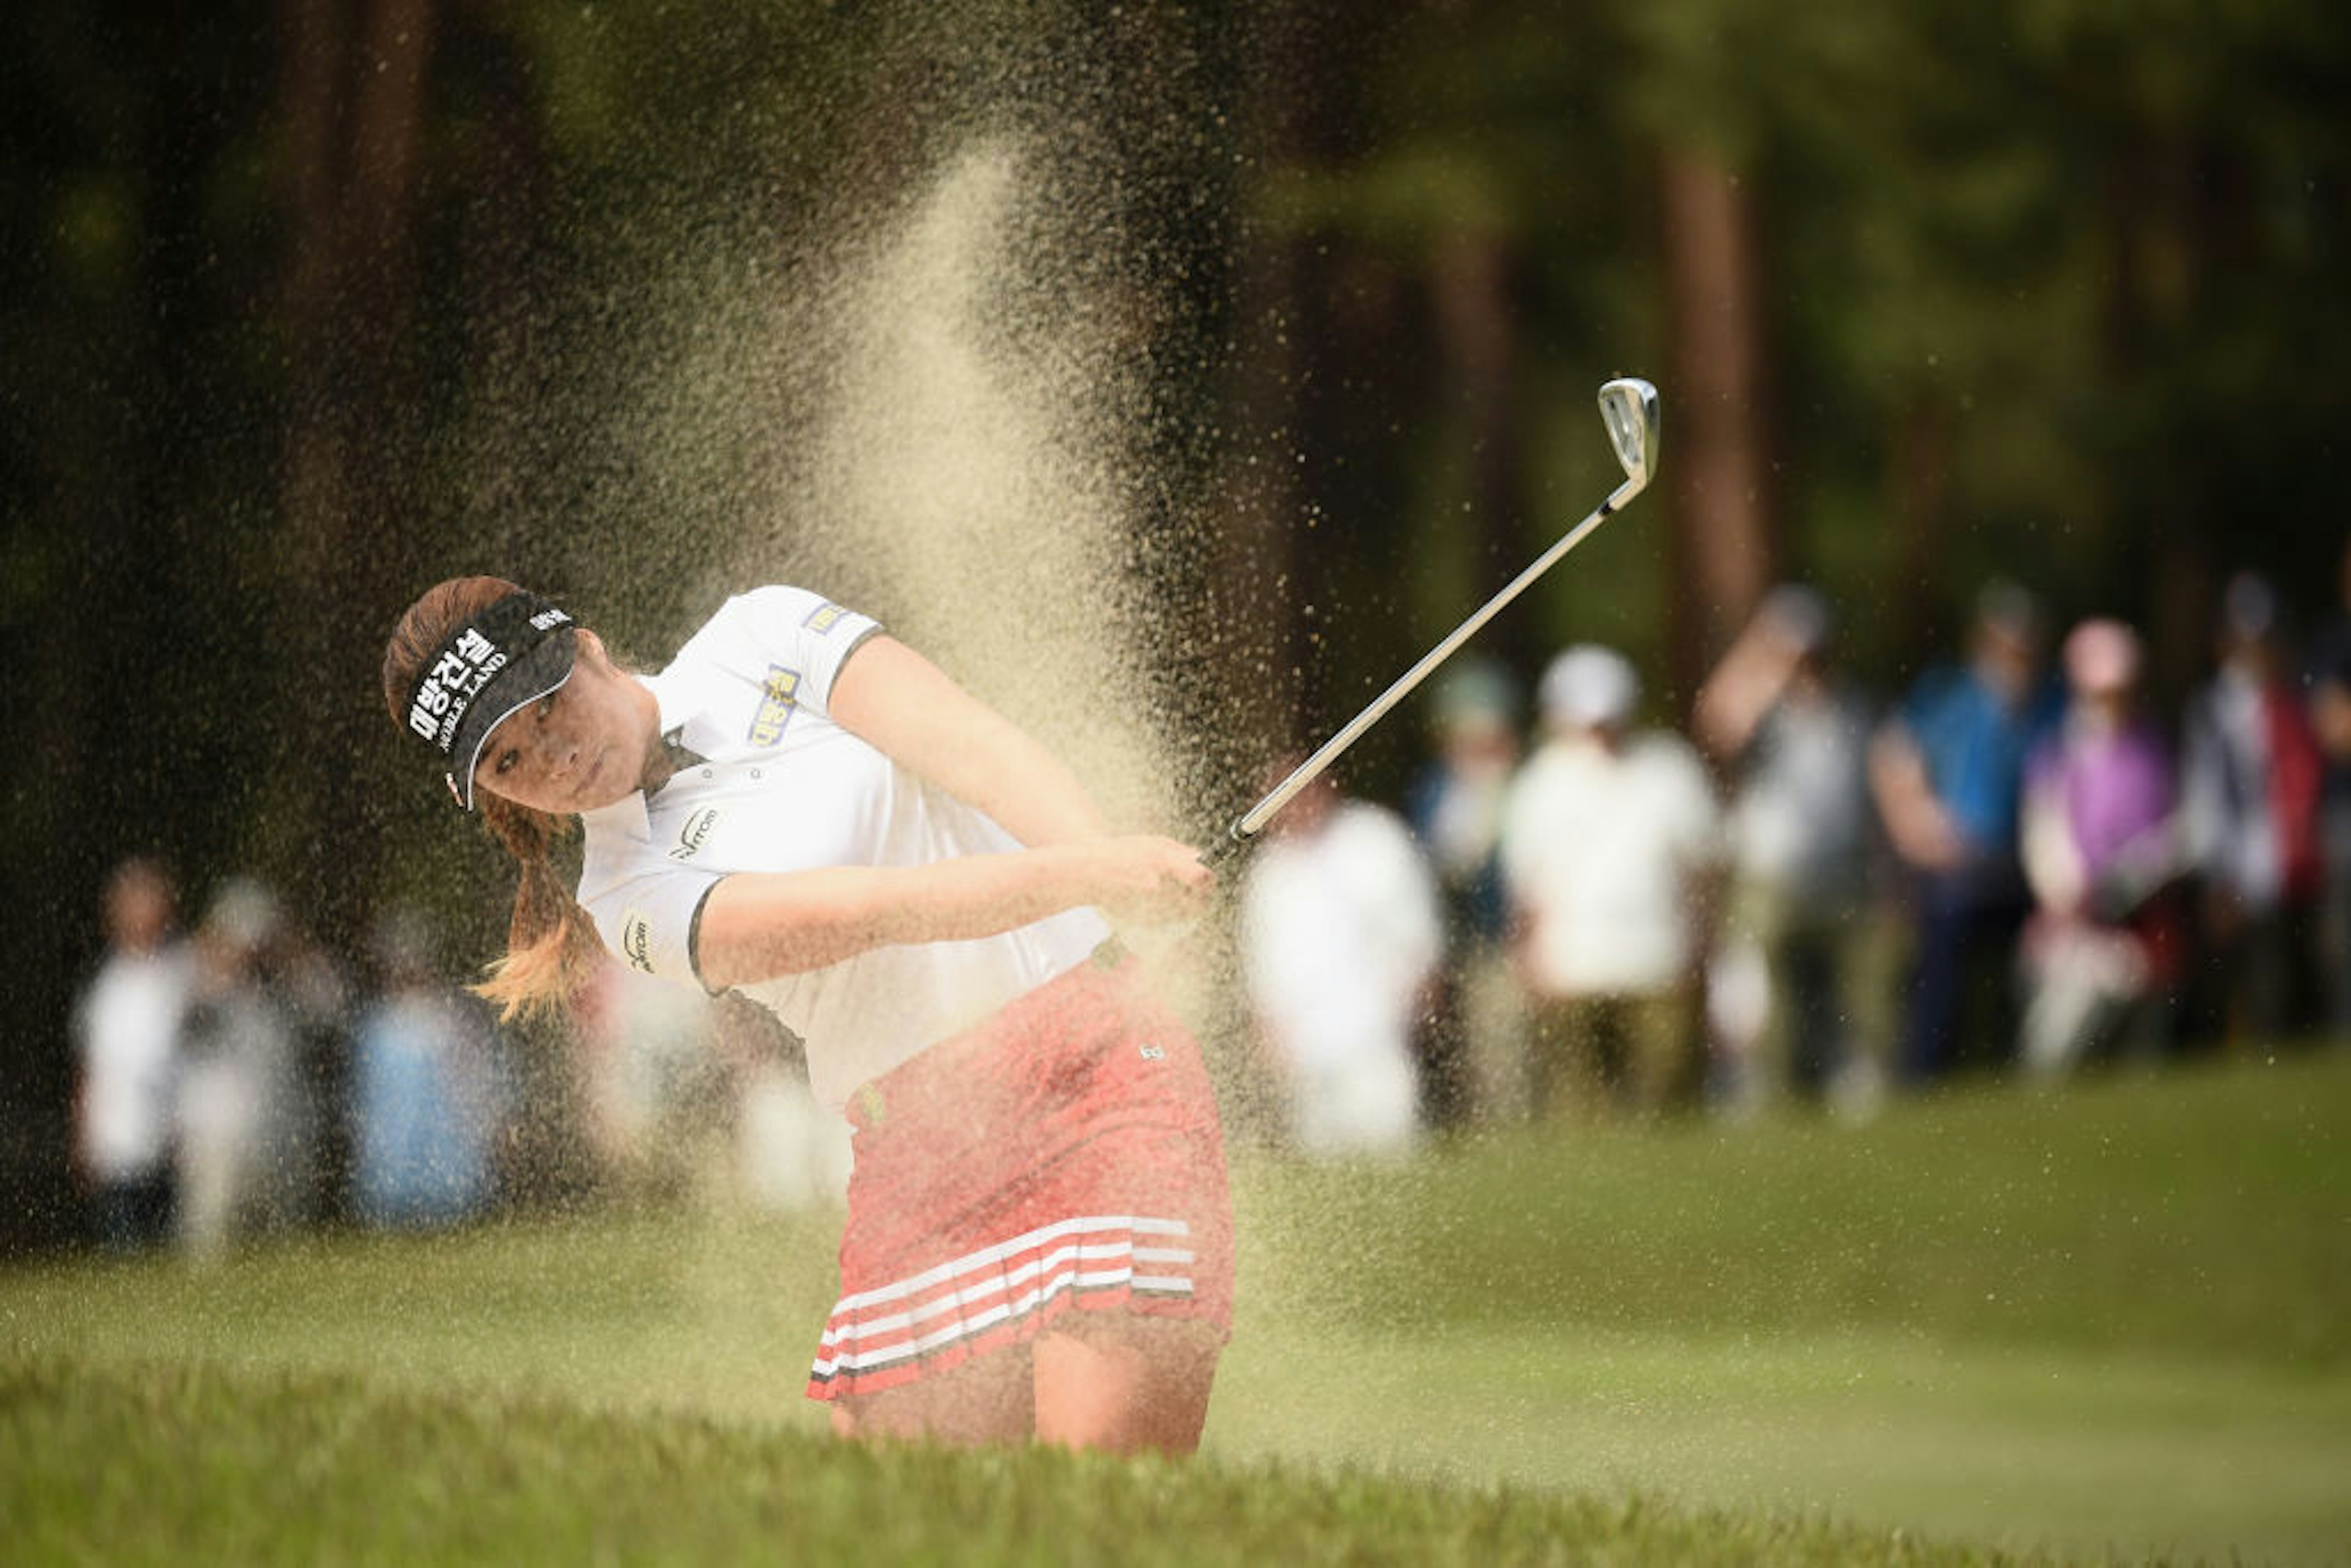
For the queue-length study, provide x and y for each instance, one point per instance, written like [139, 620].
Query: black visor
[505, 658]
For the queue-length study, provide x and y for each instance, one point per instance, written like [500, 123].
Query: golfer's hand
[1151, 880]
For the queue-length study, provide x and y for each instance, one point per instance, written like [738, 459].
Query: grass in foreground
[2118, 1318]
[2110, 1321]
[126, 1465]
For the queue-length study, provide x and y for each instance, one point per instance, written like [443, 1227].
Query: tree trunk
[2173, 214]
[93, 717]
[349, 300]
[1264, 586]
[1477, 327]
[1716, 429]
[1920, 482]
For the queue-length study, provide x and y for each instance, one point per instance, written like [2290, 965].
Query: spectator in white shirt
[127, 1033]
[1608, 843]
[1340, 940]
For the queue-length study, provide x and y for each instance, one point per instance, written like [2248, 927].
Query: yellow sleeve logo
[778, 696]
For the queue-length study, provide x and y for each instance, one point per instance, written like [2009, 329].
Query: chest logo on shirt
[778, 696]
[637, 942]
[824, 618]
[694, 832]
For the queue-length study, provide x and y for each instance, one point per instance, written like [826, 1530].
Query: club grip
[1227, 851]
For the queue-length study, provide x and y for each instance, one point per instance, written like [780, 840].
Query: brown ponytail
[552, 948]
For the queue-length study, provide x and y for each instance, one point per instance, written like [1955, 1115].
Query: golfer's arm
[759, 925]
[909, 710]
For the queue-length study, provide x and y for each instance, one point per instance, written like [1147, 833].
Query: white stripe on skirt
[975, 1292]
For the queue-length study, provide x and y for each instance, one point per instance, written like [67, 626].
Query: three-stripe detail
[988, 1295]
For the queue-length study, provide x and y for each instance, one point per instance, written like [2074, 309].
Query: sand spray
[938, 419]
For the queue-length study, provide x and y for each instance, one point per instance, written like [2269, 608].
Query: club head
[1628, 406]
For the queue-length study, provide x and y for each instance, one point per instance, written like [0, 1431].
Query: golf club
[1628, 407]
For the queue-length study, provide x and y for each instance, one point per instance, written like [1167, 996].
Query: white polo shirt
[782, 788]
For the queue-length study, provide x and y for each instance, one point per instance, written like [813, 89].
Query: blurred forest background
[311, 303]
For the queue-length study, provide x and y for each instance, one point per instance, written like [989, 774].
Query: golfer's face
[581, 745]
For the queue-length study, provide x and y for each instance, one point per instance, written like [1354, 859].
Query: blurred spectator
[1948, 773]
[1608, 840]
[239, 1153]
[2330, 711]
[128, 1029]
[1468, 1051]
[2250, 810]
[430, 1090]
[792, 1153]
[2102, 955]
[1803, 848]
[309, 985]
[1339, 941]
[654, 1084]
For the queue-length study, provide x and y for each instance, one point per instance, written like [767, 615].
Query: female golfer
[1039, 1240]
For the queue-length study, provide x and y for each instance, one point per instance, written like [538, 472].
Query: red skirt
[1064, 1155]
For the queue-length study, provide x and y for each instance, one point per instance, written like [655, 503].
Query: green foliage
[2045, 283]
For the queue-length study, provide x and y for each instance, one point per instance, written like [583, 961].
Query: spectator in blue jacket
[429, 1091]
[1948, 773]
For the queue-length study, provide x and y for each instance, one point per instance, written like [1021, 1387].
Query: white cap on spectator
[1589, 687]
[243, 914]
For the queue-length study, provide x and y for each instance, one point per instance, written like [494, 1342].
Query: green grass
[2189, 1214]
[129, 1465]
[2107, 1322]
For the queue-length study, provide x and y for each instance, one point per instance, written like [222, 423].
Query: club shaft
[1253, 821]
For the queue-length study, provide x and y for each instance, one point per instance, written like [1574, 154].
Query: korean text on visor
[509, 656]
